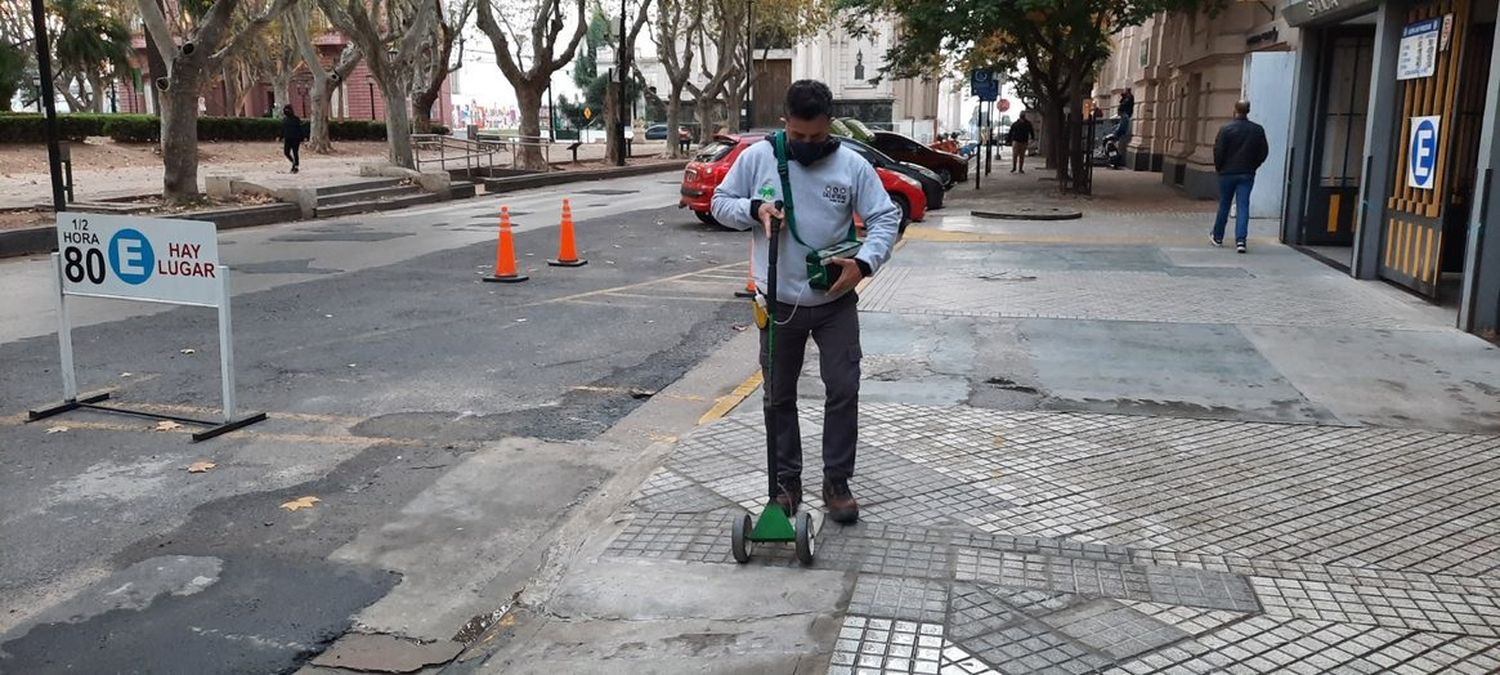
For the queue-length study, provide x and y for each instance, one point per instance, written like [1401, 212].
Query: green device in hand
[822, 274]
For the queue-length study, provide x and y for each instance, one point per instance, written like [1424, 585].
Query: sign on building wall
[1422, 152]
[1419, 49]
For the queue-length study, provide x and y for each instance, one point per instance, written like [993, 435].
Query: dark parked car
[950, 167]
[658, 132]
[932, 184]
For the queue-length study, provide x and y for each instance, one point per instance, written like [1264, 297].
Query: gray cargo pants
[835, 328]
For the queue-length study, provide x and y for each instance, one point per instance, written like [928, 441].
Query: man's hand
[849, 276]
[769, 216]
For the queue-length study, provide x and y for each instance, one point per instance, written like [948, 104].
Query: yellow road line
[728, 401]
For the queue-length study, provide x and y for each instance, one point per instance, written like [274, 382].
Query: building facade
[358, 98]
[1187, 71]
[1394, 145]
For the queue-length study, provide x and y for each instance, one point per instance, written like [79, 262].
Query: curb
[1030, 213]
[511, 184]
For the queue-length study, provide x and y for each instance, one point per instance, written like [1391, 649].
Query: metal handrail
[477, 153]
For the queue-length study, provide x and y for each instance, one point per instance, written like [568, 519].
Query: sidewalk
[1090, 446]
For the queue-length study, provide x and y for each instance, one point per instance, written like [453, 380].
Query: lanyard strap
[778, 140]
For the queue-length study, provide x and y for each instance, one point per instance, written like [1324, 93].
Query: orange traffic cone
[567, 253]
[505, 253]
[749, 291]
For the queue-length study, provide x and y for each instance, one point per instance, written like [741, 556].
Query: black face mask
[808, 154]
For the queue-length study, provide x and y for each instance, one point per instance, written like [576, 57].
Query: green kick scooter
[774, 524]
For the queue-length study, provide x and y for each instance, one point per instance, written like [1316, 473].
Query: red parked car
[709, 167]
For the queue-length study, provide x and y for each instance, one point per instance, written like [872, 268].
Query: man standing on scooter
[829, 185]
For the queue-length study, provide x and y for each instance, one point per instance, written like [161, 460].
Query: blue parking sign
[1422, 152]
[984, 84]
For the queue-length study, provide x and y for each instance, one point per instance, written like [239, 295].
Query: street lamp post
[49, 106]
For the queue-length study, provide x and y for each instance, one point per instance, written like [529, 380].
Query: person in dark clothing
[1021, 134]
[1127, 104]
[1239, 150]
[291, 137]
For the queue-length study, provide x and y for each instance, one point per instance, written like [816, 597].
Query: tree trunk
[1077, 154]
[179, 137]
[613, 148]
[421, 110]
[322, 100]
[1054, 143]
[97, 84]
[674, 122]
[529, 98]
[398, 127]
[281, 91]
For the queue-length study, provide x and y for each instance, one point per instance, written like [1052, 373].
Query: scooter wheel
[739, 539]
[806, 543]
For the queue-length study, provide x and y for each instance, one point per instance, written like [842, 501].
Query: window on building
[1344, 110]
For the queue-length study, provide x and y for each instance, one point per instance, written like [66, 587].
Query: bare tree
[389, 33]
[625, 45]
[679, 26]
[722, 29]
[203, 48]
[437, 61]
[544, 26]
[324, 80]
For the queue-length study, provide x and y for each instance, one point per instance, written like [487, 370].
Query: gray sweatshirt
[826, 196]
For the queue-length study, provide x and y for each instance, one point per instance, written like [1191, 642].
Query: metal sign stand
[72, 401]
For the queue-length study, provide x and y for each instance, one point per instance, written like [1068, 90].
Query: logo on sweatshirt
[837, 194]
[767, 193]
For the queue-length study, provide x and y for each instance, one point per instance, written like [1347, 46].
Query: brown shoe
[839, 501]
[790, 497]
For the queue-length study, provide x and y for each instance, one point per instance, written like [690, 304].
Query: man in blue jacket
[1239, 150]
[829, 184]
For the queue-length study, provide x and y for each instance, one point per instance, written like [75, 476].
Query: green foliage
[29, 128]
[91, 39]
[13, 62]
[586, 66]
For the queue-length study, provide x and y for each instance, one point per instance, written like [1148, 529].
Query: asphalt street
[444, 425]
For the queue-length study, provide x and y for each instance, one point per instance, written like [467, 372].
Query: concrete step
[378, 204]
[359, 186]
[386, 192]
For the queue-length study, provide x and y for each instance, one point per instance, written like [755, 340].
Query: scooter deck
[773, 525]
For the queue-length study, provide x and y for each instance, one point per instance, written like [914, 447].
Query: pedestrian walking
[1239, 150]
[291, 137]
[1021, 133]
[813, 187]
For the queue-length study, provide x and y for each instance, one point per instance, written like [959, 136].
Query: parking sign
[1422, 152]
[150, 259]
[984, 85]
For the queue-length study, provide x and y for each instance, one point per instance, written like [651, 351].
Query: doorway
[1328, 224]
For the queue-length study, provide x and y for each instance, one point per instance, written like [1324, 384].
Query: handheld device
[822, 274]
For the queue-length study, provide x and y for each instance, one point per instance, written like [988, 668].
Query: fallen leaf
[56, 430]
[200, 467]
[300, 503]
[188, 351]
[167, 425]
